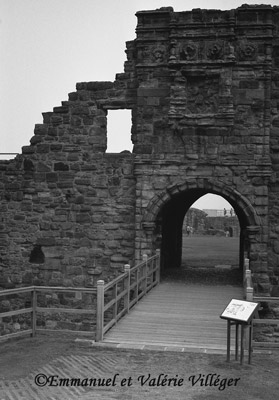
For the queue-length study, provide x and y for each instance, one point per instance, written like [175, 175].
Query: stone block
[56, 147]
[43, 148]
[52, 264]
[74, 270]
[95, 271]
[28, 149]
[46, 241]
[53, 132]
[249, 84]
[51, 177]
[41, 129]
[153, 92]
[275, 292]
[5, 306]
[78, 280]
[261, 201]
[276, 246]
[26, 206]
[263, 288]
[56, 279]
[83, 218]
[27, 278]
[50, 324]
[61, 110]
[117, 258]
[56, 120]
[53, 252]
[95, 86]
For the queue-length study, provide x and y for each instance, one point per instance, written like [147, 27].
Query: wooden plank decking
[179, 315]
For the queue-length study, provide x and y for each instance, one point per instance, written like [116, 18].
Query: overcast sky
[47, 46]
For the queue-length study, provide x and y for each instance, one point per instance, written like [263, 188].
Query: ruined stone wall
[67, 207]
[202, 86]
[225, 224]
[195, 218]
[205, 103]
[274, 154]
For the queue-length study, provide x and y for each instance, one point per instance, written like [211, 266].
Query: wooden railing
[250, 296]
[116, 298]
[112, 300]
[266, 321]
[35, 309]
[20, 311]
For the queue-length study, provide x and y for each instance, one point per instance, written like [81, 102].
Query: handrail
[250, 296]
[65, 289]
[8, 292]
[34, 309]
[115, 281]
[266, 321]
[116, 298]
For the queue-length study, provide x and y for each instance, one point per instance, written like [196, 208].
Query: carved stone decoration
[202, 95]
[173, 50]
[247, 51]
[159, 53]
[231, 55]
[215, 51]
[189, 51]
[144, 54]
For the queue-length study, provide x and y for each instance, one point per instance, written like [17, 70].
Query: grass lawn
[209, 251]
[208, 260]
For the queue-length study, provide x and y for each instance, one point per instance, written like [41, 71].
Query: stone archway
[163, 218]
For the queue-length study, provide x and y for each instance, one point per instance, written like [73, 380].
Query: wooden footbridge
[177, 315]
[172, 314]
[138, 310]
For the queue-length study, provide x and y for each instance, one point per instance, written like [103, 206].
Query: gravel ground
[137, 374]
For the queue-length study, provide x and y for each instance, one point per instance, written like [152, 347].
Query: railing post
[137, 284]
[127, 271]
[248, 277]
[100, 310]
[248, 286]
[145, 258]
[246, 267]
[34, 309]
[249, 294]
[158, 264]
[114, 293]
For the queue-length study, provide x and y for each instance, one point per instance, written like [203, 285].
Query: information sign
[239, 310]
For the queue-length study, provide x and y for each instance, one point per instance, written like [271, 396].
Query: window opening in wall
[119, 124]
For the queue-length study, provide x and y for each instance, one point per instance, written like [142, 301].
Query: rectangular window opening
[119, 124]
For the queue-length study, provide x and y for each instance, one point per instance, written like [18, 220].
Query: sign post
[239, 312]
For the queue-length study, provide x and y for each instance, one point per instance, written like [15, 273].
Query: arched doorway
[210, 253]
[164, 216]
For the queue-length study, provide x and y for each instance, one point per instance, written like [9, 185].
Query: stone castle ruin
[201, 223]
[203, 90]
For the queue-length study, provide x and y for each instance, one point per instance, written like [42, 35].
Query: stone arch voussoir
[216, 187]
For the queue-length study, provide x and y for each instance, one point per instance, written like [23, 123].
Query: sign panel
[239, 310]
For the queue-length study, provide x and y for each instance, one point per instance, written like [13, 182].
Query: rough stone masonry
[203, 90]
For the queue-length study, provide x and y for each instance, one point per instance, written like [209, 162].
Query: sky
[47, 46]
